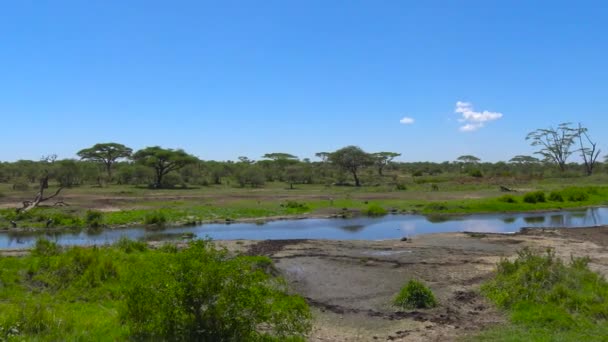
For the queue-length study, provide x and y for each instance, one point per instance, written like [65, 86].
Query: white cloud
[474, 120]
[407, 121]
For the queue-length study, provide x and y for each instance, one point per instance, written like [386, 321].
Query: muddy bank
[350, 284]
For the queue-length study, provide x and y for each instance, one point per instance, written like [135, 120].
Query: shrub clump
[507, 199]
[295, 205]
[157, 218]
[93, 218]
[375, 210]
[128, 246]
[575, 194]
[535, 197]
[476, 173]
[415, 295]
[206, 295]
[556, 196]
[542, 290]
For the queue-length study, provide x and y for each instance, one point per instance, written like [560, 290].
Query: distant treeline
[112, 163]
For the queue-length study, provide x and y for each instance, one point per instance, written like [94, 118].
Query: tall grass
[548, 300]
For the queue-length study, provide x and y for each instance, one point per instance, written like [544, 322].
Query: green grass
[548, 300]
[142, 206]
[95, 294]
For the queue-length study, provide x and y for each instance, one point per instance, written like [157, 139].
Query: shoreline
[305, 216]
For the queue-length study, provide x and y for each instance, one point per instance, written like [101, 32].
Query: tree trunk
[29, 205]
[357, 182]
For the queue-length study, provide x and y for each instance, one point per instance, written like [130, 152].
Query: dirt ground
[350, 284]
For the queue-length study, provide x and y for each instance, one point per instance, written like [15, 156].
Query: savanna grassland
[123, 205]
[537, 285]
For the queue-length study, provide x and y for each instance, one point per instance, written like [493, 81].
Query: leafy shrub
[295, 205]
[93, 218]
[475, 173]
[535, 197]
[208, 296]
[401, 186]
[543, 290]
[556, 196]
[574, 194]
[128, 246]
[507, 199]
[157, 217]
[415, 295]
[61, 219]
[417, 173]
[375, 210]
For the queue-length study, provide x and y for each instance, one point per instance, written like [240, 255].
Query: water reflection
[509, 219]
[534, 219]
[353, 228]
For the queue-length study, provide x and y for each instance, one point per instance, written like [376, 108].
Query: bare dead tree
[39, 198]
[589, 153]
[43, 185]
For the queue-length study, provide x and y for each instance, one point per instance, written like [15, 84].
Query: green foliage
[157, 217]
[203, 294]
[475, 173]
[129, 246]
[549, 298]
[375, 210]
[299, 206]
[576, 194]
[44, 247]
[507, 199]
[199, 293]
[556, 196]
[535, 197]
[415, 295]
[401, 186]
[93, 218]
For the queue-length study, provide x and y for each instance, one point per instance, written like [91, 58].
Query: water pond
[360, 228]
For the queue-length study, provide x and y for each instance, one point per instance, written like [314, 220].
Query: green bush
[93, 218]
[575, 194]
[128, 246]
[507, 199]
[205, 295]
[541, 291]
[157, 217]
[535, 197]
[295, 205]
[401, 186]
[476, 173]
[375, 210]
[556, 196]
[415, 295]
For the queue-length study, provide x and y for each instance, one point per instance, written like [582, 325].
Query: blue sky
[223, 79]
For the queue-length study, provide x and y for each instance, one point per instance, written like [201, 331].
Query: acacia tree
[468, 159]
[555, 143]
[106, 154]
[382, 159]
[351, 159]
[281, 161]
[589, 153]
[163, 161]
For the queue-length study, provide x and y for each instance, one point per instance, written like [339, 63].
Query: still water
[361, 228]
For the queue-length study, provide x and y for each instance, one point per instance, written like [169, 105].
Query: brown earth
[350, 284]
